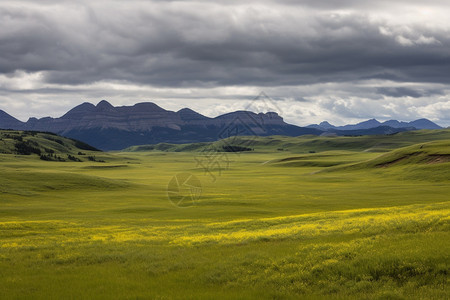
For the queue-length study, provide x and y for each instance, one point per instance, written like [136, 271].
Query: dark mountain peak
[80, 110]
[186, 110]
[4, 115]
[361, 125]
[370, 121]
[239, 116]
[373, 123]
[7, 121]
[424, 124]
[104, 106]
[240, 112]
[187, 114]
[391, 122]
[251, 118]
[396, 124]
[84, 106]
[322, 126]
[272, 114]
[423, 120]
[250, 114]
[33, 121]
[148, 107]
[326, 125]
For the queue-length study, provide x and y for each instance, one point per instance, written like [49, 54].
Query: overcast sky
[338, 60]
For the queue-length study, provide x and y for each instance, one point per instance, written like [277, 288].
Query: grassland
[343, 222]
[310, 143]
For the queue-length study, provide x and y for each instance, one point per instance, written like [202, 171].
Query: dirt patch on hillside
[106, 167]
[438, 158]
[287, 159]
[392, 162]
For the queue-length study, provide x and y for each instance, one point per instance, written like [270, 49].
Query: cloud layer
[336, 60]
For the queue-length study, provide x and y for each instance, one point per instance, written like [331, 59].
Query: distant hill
[307, 143]
[428, 153]
[46, 146]
[114, 128]
[421, 161]
[373, 123]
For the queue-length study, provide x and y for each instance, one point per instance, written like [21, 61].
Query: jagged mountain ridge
[113, 128]
[139, 117]
[373, 123]
[8, 121]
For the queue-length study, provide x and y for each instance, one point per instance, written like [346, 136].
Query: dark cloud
[169, 46]
[398, 92]
[204, 44]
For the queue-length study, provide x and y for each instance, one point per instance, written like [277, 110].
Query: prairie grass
[270, 226]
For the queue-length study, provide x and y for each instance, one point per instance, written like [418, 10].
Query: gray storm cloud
[63, 48]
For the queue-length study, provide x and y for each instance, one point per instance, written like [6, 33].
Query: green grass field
[361, 218]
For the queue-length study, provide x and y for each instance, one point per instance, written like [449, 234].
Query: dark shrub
[235, 148]
[84, 146]
[73, 158]
[24, 148]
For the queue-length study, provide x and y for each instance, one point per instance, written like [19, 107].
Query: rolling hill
[357, 222]
[307, 143]
[424, 153]
[45, 145]
[423, 161]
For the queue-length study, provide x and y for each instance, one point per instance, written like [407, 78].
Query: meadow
[309, 218]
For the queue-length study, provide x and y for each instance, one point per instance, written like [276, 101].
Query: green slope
[90, 230]
[47, 146]
[425, 161]
[306, 144]
[35, 162]
[270, 227]
[427, 153]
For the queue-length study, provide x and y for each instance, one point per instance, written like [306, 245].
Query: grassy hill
[434, 152]
[425, 161]
[306, 144]
[424, 153]
[46, 146]
[342, 223]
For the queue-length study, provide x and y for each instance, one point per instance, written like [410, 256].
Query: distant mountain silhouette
[424, 124]
[8, 122]
[373, 123]
[113, 128]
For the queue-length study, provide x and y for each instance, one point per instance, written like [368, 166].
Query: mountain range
[373, 123]
[113, 128]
